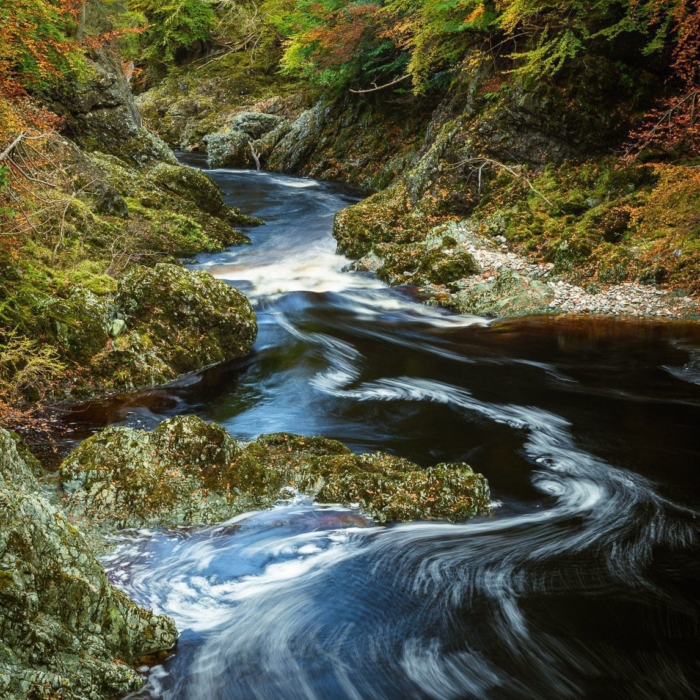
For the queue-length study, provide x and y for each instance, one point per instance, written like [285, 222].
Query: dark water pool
[584, 583]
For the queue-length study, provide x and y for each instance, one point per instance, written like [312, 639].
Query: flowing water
[585, 581]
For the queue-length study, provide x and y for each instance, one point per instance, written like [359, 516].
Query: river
[585, 581]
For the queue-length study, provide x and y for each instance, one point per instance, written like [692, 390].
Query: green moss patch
[188, 471]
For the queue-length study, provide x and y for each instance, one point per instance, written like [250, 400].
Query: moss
[629, 223]
[63, 627]
[442, 267]
[188, 471]
[59, 287]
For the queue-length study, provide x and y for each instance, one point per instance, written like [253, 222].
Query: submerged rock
[187, 471]
[64, 630]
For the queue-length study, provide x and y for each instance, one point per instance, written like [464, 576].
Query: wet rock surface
[64, 630]
[188, 472]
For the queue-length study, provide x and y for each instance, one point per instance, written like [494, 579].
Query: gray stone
[64, 630]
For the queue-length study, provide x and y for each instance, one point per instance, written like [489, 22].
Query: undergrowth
[598, 221]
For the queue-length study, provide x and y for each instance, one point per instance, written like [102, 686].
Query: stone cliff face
[65, 631]
[99, 114]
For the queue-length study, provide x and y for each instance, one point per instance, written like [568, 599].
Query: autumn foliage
[37, 47]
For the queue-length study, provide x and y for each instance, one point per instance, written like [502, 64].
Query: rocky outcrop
[364, 141]
[241, 145]
[194, 101]
[170, 321]
[99, 114]
[65, 632]
[187, 471]
[68, 293]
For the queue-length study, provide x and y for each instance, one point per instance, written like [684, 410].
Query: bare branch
[482, 163]
[256, 156]
[381, 87]
[11, 147]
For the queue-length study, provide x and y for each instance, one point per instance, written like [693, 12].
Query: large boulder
[233, 149]
[193, 185]
[129, 478]
[188, 471]
[174, 321]
[65, 632]
[255, 124]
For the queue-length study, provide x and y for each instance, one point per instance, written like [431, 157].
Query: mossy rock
[192, 319]
[508, 294]
[174, 475]
[230, 150]
[79, 324]
[255, 124]
[64, 630]
[441, 266]
[385, 217]
[188, 471]
[385, 487]
[190, 183]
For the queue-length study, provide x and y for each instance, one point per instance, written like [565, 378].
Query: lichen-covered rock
[65, 632]
[509, 293]
[230, 150]
[255, 124]
[385, 487]
[233, 149]
[187, 471]
[175, 475]
[176, 321]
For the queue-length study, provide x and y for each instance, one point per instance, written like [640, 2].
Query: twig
[61, 229]
[484, 162]
[693, 96]
[11, 147]
[29, 177]
[381, 87]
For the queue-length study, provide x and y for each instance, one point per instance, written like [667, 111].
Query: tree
[174, 28]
